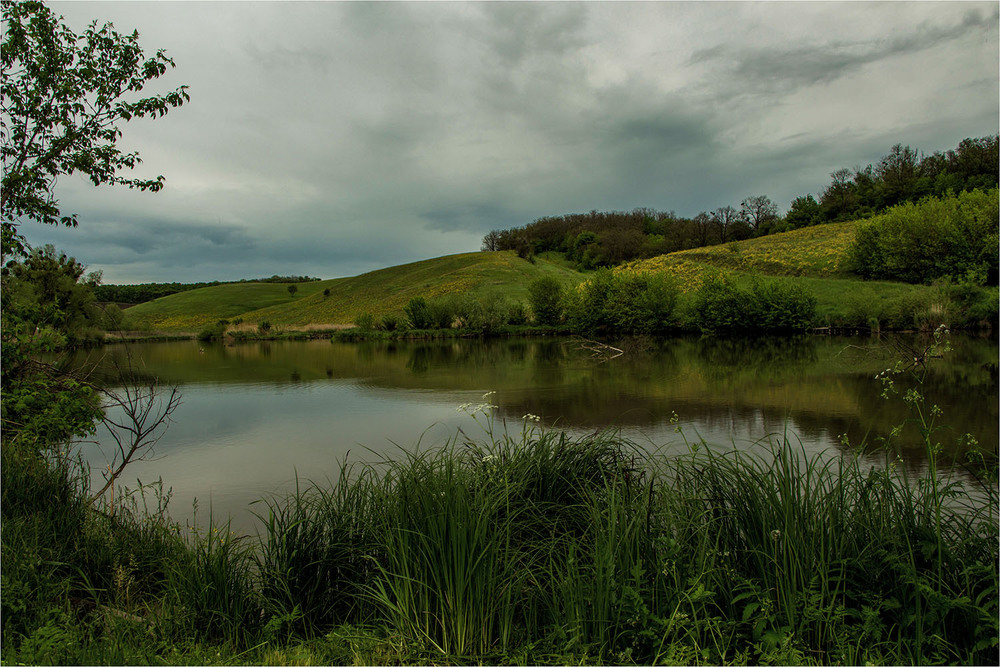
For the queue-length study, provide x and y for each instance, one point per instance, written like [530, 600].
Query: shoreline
[354, 335]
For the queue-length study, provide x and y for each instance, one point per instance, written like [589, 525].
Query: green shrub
[365, 322]
[491, 312]
[391, 322]
[784, 305]
[588, 308]
[622, 302]
[970, 305]
[722, 306]
[953, 236]
[545, 296]
[419, 313]
[517, 314]
[216, 331]
[112, 317]
[487, 313]
[442, 312]
[642, 303]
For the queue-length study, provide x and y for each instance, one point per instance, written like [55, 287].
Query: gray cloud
[332, 138]
[777, 68]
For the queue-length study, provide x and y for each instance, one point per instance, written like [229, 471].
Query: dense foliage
[723, 306]
[599, 239]
[47, 305]
[419, 313]
[955, 236]
[622, 302]
[546, 298]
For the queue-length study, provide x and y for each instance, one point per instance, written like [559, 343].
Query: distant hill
[378, 292]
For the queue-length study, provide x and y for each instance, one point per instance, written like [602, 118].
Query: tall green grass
[528, 546]
[598, 550]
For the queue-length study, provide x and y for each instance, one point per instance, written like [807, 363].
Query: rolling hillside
[816, 252]
[814, 256]
[378, 292]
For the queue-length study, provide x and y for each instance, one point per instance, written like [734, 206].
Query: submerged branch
[598, 349]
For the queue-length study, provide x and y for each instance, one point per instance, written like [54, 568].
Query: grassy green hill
[815, 256]
[378, 292]
[817, 252]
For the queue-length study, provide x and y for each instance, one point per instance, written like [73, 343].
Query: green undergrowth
[524, 547]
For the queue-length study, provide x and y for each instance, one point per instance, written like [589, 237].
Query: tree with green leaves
[897, 174]
[64, 98]
[840, 199]
[49, 290]
[803, 212]
[45, 305]
[545, 296]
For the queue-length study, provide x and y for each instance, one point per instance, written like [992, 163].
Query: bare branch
[137, 414]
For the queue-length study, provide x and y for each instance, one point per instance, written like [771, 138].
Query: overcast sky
[330, 138]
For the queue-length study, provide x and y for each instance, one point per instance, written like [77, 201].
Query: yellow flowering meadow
[818, 251]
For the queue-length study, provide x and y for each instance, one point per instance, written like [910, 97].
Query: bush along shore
[626, 303]
[527, 547]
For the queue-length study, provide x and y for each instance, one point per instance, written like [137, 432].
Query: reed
[315, 554]
[210, 589]
[597, 549]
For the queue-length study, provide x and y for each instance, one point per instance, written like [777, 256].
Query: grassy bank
[528, 548]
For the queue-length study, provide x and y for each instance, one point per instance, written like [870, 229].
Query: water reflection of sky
[230, 443]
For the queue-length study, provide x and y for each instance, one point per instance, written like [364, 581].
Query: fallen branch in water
[599, 349]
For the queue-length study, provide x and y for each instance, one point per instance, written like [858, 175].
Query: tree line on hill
[595, 239]
[134, 294]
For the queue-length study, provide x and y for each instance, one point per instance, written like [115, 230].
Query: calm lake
[255, 415]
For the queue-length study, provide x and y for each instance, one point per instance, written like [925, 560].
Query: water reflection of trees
[824, 385]
[829, 396]
[757, 357]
